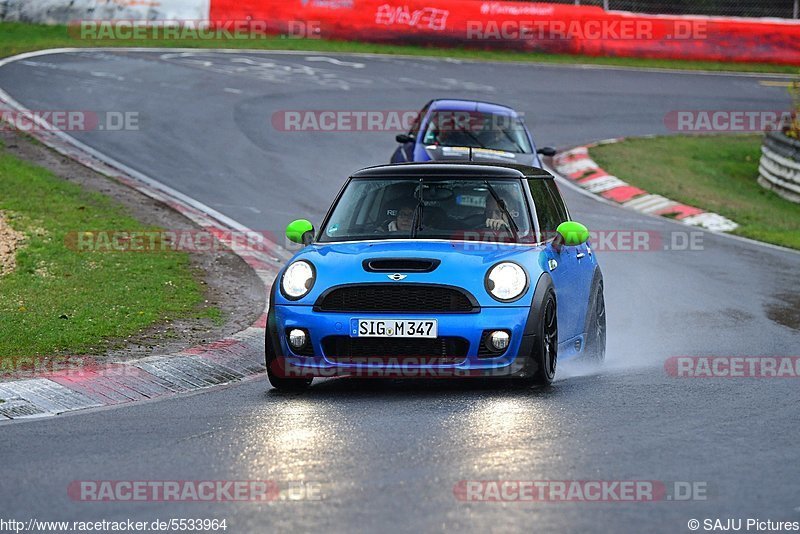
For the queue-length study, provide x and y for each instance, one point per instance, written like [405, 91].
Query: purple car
[459, 130]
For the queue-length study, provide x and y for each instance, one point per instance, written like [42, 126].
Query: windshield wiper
[416, 220]
[508, 135]
[502, 205]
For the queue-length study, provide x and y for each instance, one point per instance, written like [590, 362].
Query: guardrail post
[605, 4]
[796, 10]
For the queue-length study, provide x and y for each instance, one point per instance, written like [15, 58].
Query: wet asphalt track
[387, 455]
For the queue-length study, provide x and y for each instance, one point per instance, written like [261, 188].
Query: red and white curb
[578, 167]
[227, 360]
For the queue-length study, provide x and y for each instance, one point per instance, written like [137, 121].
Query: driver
[403, 219]
[490, 136]
[496, 218]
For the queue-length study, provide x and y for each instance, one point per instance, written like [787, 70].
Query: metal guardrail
[786, 9]
[779, 168]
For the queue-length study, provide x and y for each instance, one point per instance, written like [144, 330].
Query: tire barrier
[779, 168]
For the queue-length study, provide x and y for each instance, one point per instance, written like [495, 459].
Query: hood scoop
[400, 265]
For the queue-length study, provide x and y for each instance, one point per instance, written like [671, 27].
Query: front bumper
[468, 326]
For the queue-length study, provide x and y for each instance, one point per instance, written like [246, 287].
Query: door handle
[580, 255]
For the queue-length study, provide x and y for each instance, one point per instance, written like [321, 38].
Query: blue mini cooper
[437, 270]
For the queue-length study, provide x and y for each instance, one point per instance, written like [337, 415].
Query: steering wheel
[474, 222]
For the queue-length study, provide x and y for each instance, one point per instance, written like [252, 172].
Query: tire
[595, 351]
[287, 384]
[544, 356]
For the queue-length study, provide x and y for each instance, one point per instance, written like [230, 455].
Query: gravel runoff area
[229, 283]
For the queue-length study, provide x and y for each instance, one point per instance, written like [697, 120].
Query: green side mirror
[573, 233]
[300, 231]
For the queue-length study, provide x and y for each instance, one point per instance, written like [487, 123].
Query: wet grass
[61, 300]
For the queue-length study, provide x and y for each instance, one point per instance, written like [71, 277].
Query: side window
[558, 201]
[547, 210]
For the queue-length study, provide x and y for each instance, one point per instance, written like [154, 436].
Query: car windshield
[450, 209]
[477, 130]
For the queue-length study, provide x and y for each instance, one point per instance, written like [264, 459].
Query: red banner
[550, 28]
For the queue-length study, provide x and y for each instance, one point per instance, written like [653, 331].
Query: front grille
[442, 350]
[397, 298]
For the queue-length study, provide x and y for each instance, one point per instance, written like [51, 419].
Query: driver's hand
[497, 224]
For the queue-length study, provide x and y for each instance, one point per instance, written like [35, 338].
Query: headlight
[298, 279]
[506, 281]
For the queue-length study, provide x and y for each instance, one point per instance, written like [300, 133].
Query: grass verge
[63, 301]
[16, 38]
[714, 172]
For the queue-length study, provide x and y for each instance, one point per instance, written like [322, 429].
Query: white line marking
[238, 207]
[712, 221]
[374, 55]
[99, 74]
[335, 61]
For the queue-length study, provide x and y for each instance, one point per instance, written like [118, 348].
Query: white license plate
[426, 328]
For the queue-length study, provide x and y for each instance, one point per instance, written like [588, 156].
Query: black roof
[463, 169]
